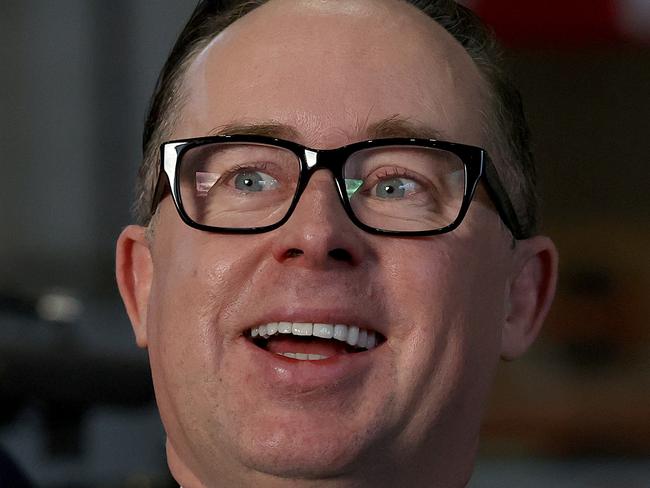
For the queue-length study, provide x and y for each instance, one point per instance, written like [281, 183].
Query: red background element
[552, 23]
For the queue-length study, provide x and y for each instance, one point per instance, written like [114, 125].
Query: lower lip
[298, 375]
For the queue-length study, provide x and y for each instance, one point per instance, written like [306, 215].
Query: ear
[530, 294]
[134, 270]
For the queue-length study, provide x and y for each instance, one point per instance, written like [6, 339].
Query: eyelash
[385, 173]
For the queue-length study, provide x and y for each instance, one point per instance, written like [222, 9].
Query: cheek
[193, 297]
[198, 280]
[449, 305]
[444, 282]
[181, 341]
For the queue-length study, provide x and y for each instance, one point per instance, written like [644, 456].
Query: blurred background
[76, 402]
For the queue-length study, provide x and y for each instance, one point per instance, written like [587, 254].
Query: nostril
[340, 254]
[293, 253]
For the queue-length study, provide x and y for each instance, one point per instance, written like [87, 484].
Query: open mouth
[308, 341]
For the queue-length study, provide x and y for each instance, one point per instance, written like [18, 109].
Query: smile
[309, 341]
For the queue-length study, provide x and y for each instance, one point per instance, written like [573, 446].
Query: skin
[449, 305]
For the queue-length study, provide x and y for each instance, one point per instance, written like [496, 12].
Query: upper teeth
[350, 334]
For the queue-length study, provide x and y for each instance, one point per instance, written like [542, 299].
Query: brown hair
[507, 128]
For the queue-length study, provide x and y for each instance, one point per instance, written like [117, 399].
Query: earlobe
[530, 294]
[134, 270]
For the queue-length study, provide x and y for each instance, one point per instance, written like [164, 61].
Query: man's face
[328, 70]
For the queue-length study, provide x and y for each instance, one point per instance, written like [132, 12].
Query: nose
[319, 234]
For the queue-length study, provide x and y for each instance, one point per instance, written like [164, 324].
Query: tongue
[324, 347]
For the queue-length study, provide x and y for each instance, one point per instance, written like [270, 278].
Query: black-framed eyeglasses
[248, 184]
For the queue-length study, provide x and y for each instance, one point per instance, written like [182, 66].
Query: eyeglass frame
[476, 161]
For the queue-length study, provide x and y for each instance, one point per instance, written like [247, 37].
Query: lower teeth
[302, 356]
[264, 344]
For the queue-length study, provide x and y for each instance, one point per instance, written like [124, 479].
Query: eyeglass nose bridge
[322, 159]
[332, 159]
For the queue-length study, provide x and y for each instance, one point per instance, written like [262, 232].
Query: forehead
[330, 69]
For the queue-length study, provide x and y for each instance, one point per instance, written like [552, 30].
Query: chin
[306, 454]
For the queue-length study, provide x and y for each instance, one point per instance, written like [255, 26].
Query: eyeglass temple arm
[162, 185]
[502, 201]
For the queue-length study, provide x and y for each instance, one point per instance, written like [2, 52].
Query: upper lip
[320, 316]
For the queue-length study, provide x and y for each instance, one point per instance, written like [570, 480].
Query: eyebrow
[393, 126]
[269, 129]
[398, 126]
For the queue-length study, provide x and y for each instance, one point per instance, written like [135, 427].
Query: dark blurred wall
[589, 112]
[76, 77]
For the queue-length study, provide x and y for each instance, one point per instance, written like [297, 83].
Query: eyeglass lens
[247, 185]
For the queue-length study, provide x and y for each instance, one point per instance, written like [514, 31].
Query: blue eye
[254, 181]
[394, 188]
